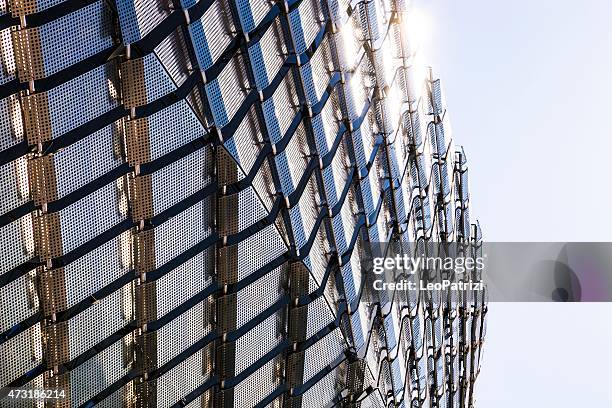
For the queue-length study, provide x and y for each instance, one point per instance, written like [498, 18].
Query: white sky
[528, 86]
[546, 355]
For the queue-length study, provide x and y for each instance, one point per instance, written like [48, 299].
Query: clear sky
[529, 89]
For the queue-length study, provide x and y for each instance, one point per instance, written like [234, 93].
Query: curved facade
[186, 189]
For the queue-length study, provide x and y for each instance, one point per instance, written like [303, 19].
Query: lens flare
[416, 27]
[349, 45]
[395, 101]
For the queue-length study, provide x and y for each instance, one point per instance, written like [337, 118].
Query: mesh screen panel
[186, 188]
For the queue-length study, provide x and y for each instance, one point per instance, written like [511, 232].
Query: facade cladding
[186, 189]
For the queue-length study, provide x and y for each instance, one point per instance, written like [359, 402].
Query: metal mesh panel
[187, 187]
[180, 179]
[256, 343]
[138, 18]
[251, 13]
[258, 385]
[182, 332]
[96, 323]
[227, 91]
[273, 51]
[14, 178]
[11, 121]
[18, 300]
[145, 80]
[246, 143]
[87, 159]
[98, 373]
[280, 109]
[175, 59]
[324, 390]
[80, 226]
[192, 225]
[167, 134]
[184, 282]
[249, 300]
[17, 242]
[7, 72]
[61, 49]
[305, 23]
[20, 354]
[83, 98]
[182, 379]
[97, 269]
[258, 250]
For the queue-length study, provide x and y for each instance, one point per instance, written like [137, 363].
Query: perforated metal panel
[60, 49]
[186, 189]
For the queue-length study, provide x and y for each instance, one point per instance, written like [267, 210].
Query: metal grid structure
[186, 188]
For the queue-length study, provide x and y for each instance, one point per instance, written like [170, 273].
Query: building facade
[186, 190]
